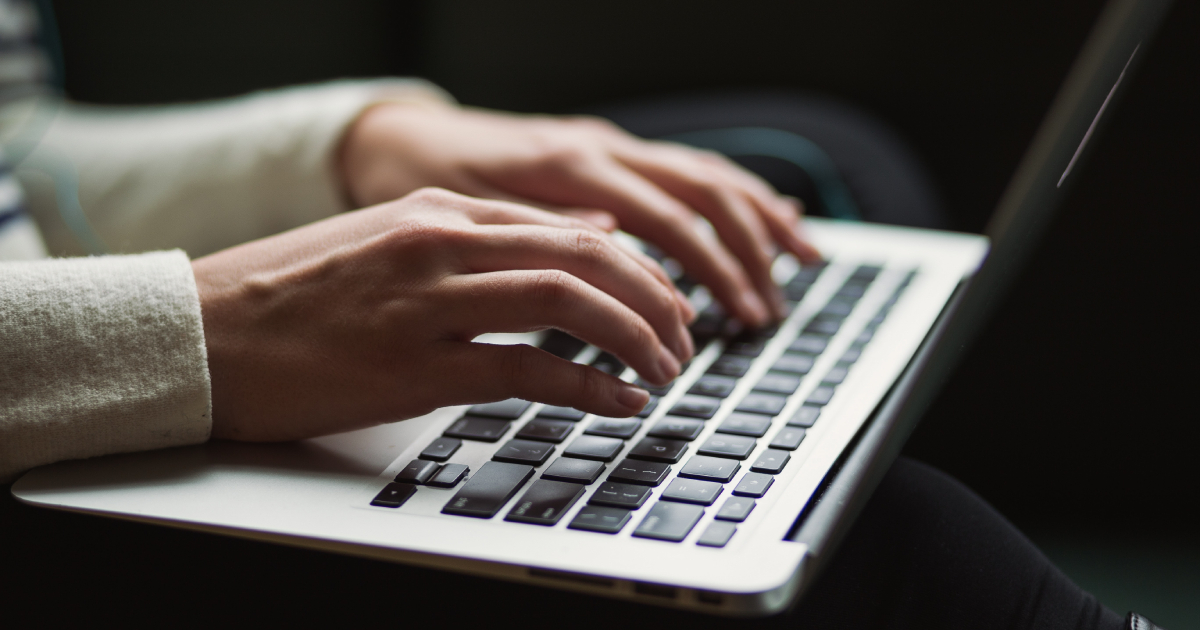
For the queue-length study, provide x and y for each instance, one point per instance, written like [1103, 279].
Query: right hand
[369, 317]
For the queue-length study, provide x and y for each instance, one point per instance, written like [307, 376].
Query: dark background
[1075, 407]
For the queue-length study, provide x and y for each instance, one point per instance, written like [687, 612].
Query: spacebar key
[488, 490]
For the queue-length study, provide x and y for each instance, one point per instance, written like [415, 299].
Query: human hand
[369, 317]
[593, 169]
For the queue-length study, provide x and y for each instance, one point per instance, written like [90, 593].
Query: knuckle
[552, 289]
[432, 195]
[590, 383]
[519, 364]
[642, 335]
[590, 246]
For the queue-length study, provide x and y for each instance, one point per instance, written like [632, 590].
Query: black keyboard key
[735, 509]
[510, 409]
[561, 413]
[766, 404]
[545, 502]
[658, 450]
[728, 446]
[488, 490]
[574, 470]
[753, 485]
[865, 336]
[692, 491]
[609, 364]
[524, 452]
[701, 407]
[418, 471]
[778, 383]
[851, 355]
[707, 326]
[562, 345]
[771, 462]
[441, 449]
[623, 428]
[478, 429]
[448, 476]
[866, 273]
[795, 291]
[746, 347]
[669, 521]
[812, 344]
[852, 290]
[820, 395]
[655, 390]
[544, 430]
[713, 385]
[677, 428]
[717, 534]
[596, 518]
[788, 439]
[394, 495]
[804, 417]
[836, 375]
[639, 472]
[651, 405]
[730, 365]
[751, 424]
[794, 363]
[823, 327]
[602, 449]
[809, 272]
[838, 307]
[716, 469]
[622, 495]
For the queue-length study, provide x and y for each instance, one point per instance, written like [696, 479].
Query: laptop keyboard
[559, 455]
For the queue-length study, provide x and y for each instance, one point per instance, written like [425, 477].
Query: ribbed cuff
[100, 355]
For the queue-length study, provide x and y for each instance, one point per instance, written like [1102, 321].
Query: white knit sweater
[106, 354]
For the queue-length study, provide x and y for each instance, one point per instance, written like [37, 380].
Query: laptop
[728, 493]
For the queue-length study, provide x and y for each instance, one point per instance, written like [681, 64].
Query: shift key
[488, 490]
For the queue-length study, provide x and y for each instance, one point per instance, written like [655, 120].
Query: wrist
[372, 160]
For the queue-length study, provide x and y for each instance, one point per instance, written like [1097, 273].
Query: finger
[686, 310]
[515, 211]
[738, 222]
[786, 229]
[599, 218]
[645, 210]
[522, 301]
[594, 258]
[781, 213]
[525, 372]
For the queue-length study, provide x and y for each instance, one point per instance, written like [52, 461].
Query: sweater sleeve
[98, 356]
[203, 177]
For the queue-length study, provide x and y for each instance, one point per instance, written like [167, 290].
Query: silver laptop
[727, 494]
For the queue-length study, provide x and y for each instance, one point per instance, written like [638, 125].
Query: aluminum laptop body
[868, 341]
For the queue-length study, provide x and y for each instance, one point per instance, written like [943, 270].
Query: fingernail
[757, 307]
[668, 366]
[633, 397]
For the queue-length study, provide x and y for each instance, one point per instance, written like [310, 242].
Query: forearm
[205, 176]
[98, 356]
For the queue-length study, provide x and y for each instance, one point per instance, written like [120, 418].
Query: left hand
[591, 169]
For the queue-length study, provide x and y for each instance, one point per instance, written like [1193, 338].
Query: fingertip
[632, 398]
[757, 313]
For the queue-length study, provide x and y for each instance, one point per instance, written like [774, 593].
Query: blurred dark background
[1073, 413]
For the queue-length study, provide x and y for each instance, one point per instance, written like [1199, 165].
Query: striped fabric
[23, 69]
